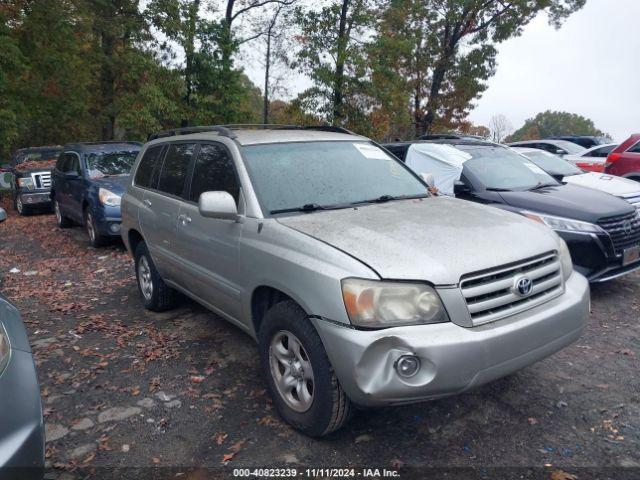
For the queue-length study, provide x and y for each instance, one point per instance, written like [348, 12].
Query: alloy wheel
[291, 371]
[91, 230]
[56, 209]
[144, 278]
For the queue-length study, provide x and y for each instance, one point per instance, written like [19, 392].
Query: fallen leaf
[562, 475]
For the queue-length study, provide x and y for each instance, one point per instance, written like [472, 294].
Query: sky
[591, 66]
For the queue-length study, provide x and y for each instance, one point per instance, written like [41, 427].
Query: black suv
[586, 141]
[31, 182]
[602, 231]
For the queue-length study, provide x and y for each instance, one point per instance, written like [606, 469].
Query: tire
[61, 220]
[329, 407]
[95, 238]
[21, 208]
[160, 296]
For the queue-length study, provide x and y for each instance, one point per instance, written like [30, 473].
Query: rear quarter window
[175, 168]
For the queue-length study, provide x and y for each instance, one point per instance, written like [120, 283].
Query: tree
[332, 55]
[450, 50]
[275, 52]
[547, 124]
[500, 127]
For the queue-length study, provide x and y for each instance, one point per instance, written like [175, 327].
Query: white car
[557, 147]
[564, 171]
[592, 159]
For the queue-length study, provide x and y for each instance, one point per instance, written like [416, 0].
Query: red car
[624, 160]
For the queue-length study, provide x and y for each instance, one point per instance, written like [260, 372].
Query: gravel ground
[125, 388]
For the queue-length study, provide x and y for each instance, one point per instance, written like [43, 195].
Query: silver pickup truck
[359, 286]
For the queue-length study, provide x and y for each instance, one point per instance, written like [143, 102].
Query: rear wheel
[304, 387]
[95, 238]
[156, 295]
[61, 220]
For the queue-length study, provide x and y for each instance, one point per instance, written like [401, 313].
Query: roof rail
[224, 131]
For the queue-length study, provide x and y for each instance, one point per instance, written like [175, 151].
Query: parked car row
[360, 286]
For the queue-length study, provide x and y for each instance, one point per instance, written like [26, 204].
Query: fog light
[29, 199]
[407, 366]
[114, 227]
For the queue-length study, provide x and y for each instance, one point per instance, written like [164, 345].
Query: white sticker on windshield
[534, 168]
[371, 151]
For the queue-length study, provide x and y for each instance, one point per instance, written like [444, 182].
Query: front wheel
[304, 387]
[95, 238]
[21, 208]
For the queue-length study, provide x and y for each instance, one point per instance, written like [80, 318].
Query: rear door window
[175, 168]
[148, 164]
[213, 171]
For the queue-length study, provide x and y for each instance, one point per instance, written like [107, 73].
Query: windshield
[499, 168]
[37, 156]
[552, 164]
[294, 175]
[105, 164]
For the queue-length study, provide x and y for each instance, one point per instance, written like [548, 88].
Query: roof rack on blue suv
[226, 130]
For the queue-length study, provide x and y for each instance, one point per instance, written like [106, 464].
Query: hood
[611, 184]
[117, 184]
[437, 240]
[569, 201]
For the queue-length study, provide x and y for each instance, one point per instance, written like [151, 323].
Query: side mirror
[71, 174]
[460, 188]
[3, 214]
[428, 179]
[218, 205]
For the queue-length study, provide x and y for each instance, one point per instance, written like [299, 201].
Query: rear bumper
[21, 424]
[453, 358]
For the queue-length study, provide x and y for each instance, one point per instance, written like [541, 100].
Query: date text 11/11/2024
[316, 473]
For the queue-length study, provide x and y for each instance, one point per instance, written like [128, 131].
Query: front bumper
[36, 198]
[108, 220]
[594, 257]
[453, 358]
[21, 424]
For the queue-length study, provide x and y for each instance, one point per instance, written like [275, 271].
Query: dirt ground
[123, 387]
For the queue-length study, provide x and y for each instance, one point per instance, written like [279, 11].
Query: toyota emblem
[523, 286]
[627, 227]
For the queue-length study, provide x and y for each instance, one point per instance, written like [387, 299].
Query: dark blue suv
[88, 181]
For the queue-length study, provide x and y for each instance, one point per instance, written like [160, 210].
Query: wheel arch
[263, 298]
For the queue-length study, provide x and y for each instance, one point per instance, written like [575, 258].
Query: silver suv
[359, 286]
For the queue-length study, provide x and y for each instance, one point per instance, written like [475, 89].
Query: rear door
[76, 187]
[209, 246]
[159, 216]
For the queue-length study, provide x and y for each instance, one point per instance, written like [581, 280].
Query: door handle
[146, 203]
[184, 219]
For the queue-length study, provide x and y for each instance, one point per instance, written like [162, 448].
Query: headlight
[5, 349]
[26, 182]
[107, 197]
[563, 224]
[374, 304]
[565, 259]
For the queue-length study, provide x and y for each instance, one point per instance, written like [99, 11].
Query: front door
[209, 246]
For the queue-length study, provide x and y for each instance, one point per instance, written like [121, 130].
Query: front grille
[491, 294]
[624, 230]
[42, 179]
[633, 199]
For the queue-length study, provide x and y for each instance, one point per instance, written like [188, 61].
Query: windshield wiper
[541, 185]
[308, 207]
[388, 198]
[497, 189]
